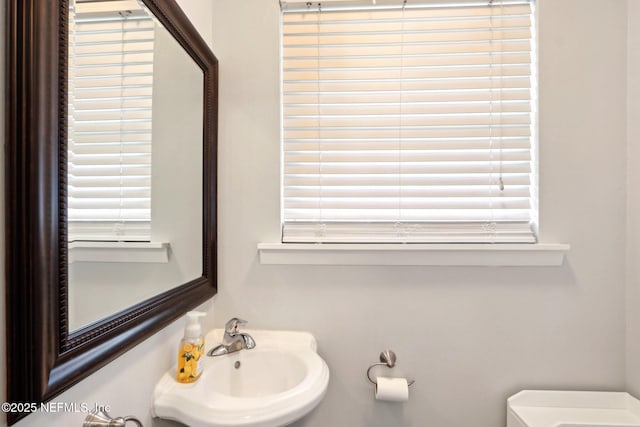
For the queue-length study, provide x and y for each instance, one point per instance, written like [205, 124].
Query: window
[109, 145]
[409, 122]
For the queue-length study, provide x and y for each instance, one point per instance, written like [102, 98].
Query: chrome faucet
[233, 340]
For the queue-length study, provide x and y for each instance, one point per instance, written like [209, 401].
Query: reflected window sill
[497, 255]
[141, 252]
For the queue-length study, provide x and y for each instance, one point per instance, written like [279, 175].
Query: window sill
[519, 255]
[147, 252]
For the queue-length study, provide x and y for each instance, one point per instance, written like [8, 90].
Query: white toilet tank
[552, 408]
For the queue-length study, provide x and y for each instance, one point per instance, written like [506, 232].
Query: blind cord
[399, 220]
[491, 107]
[119, 224]
[321, 225]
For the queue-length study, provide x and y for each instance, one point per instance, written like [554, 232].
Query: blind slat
[375, 180]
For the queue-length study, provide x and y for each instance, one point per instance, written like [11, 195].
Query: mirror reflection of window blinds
[110, 132]
[410, 124]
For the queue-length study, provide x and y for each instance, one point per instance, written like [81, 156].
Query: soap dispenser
[191, 349]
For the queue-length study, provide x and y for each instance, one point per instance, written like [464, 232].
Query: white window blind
[109, 144]
[409, 124]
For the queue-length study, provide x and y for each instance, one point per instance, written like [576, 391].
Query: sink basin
[544, 408]
[263, 372]
[276, 383]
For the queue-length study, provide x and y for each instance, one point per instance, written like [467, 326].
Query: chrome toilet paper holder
[387, 358]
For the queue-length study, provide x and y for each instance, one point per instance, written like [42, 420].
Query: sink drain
[237, 364]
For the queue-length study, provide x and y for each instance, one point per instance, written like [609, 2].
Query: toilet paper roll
[392, 389]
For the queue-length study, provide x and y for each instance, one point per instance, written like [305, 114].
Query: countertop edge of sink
[266, 337]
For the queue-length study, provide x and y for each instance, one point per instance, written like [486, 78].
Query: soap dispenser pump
[191, 349]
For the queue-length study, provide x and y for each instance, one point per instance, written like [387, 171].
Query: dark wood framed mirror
[44, 357]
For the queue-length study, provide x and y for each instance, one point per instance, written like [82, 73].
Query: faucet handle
[231, 328]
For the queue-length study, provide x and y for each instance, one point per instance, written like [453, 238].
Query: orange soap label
[189, 368]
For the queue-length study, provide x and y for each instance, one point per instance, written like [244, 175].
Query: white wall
[633, 220]
[469, 336]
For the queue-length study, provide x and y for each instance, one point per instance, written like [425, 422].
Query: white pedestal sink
[276, 383]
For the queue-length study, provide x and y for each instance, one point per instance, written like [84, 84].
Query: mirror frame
[43, 358]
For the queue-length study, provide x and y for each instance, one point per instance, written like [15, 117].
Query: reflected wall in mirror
[56, 263]
[134, 177]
